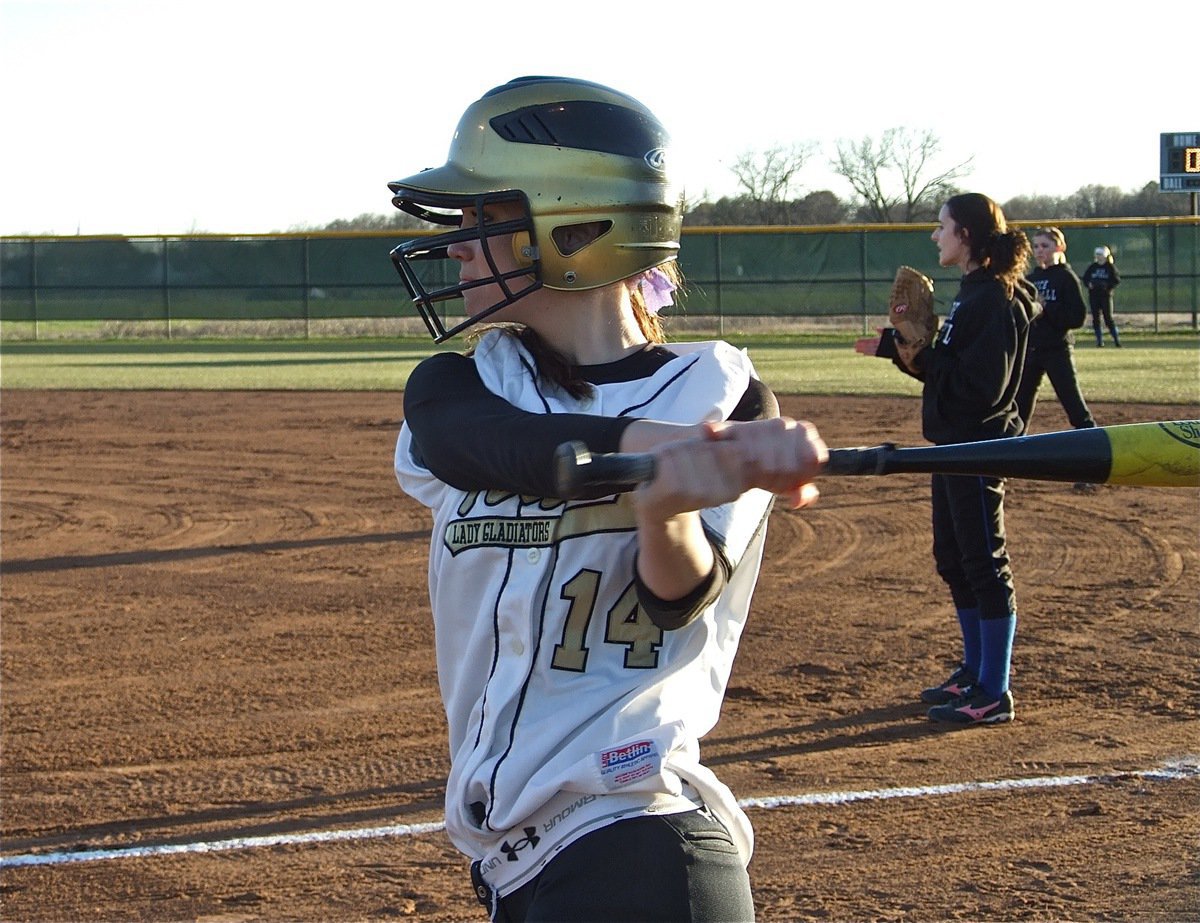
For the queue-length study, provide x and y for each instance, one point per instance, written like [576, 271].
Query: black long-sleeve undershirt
[476, 440]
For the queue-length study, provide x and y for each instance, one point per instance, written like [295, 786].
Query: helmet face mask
[587, 166]
[408, 257]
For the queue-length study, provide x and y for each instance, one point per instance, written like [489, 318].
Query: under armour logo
[531, 839]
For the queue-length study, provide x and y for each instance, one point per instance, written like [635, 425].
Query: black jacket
[972, 369]
[1100, 279]
[1063, 310]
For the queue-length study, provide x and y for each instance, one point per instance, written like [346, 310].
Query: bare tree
[767, 178]
[862, 165]
[1150, 201]
[1098, 201]
[1038, 208]
[893, 176]
[395, 220]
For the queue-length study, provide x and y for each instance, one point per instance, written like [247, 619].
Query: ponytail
[1008, 254]
[1001, 251]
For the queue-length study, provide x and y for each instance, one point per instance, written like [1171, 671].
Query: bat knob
[570, 459]
[579, 474]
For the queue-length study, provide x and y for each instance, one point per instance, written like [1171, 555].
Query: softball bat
[1161, 454]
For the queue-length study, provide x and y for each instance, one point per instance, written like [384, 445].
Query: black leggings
[1057, 364]
[1102, 308]
[969, 544]
[674, 867]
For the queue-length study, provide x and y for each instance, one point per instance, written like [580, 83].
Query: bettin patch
[624, 765]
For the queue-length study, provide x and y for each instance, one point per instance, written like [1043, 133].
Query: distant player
[1100, 278]
[1051, 340]
[583, 647]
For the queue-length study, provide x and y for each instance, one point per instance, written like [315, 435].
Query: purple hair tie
[656, 288]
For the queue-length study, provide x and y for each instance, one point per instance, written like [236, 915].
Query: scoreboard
[1179, 162]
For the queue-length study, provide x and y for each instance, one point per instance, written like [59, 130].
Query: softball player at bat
[583, 647]
[970, 374]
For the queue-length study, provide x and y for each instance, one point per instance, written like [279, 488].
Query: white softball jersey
[568, 709]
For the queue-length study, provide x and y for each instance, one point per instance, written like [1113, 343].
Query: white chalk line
[1185, 768]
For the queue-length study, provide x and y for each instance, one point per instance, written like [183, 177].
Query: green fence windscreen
[730, 272]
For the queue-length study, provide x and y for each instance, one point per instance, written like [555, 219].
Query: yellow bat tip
[1156, 454]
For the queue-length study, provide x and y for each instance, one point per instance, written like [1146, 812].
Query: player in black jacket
[1100, 279]
[1051, 342]
[971, 373]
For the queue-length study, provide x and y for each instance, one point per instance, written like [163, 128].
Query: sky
[172, 116]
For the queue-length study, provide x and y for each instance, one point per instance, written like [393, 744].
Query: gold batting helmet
[569, 152]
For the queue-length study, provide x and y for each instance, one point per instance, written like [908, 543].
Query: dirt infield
[215, 627]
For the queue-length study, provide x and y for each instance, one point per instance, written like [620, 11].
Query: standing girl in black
[971, 372]
[1101, 278]
[1051, 342]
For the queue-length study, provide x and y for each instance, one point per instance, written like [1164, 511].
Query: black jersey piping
[535, 649]
[532, 372]
[666, 384]
[495, 650]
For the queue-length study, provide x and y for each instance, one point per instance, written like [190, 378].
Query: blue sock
[996, 637]
[968, 621]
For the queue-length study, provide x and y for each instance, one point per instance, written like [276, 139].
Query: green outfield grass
[1154, 368]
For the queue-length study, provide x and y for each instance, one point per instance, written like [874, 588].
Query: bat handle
[872, 460]
[580, 474]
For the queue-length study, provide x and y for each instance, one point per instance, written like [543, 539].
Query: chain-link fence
[738, 279]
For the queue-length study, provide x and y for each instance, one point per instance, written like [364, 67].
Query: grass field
[1153, 368]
